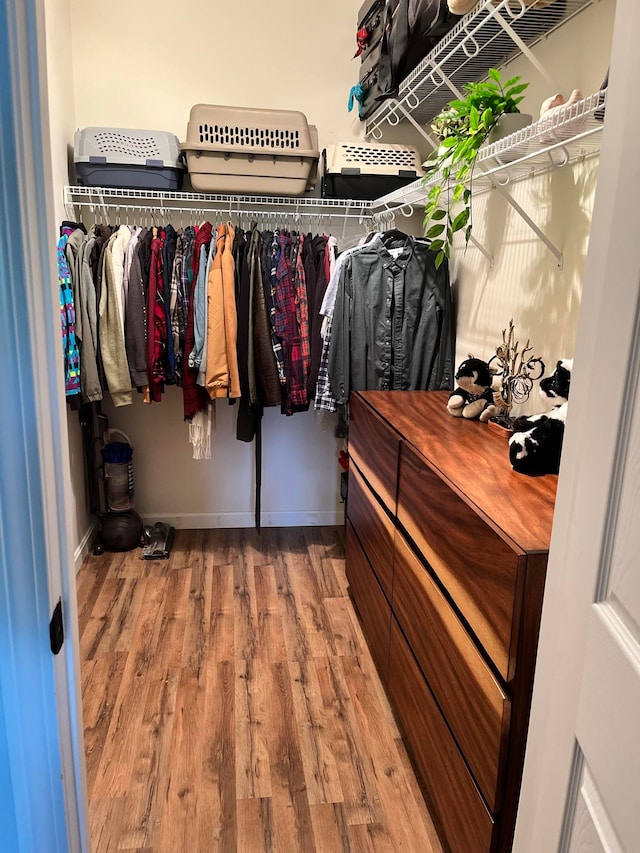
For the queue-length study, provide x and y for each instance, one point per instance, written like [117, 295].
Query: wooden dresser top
[474, 461]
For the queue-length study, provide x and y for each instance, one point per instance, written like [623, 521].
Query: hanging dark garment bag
[412, 29]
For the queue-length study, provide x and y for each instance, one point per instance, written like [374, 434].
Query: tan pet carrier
[241, 150]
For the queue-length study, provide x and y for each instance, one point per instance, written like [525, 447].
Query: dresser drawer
[472, 700]
[373, 528]
[374, 447]
[375, 613]
[483, 575]
[464, 819]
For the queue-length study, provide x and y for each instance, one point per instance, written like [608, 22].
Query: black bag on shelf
[412, 29]
[369, 71]
[371, 19]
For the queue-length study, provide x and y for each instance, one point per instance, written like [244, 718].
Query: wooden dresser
[446, 559]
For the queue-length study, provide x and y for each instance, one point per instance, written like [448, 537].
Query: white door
[42, 788]
[581, 785]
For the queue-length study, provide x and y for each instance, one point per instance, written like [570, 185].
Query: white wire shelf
[569, 134]
[491, 34]
[159, 202]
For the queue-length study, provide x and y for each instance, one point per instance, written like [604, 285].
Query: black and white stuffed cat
[536, 445]
[474, 389]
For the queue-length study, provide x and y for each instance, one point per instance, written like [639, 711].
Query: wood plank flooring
[231, 704]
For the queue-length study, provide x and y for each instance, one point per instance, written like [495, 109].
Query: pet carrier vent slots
[241, 150]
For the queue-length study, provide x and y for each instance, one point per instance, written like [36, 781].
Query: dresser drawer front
[374, 447]
[476, 567]
[375, 613]
[373, 527]
[472, 700]
[459, 809]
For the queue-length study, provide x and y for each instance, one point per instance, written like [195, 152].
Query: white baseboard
[207, 520]
[84, 546]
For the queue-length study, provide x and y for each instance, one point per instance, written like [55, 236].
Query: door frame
[603, 388]
[38, 560]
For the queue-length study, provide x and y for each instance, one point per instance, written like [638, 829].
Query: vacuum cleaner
[110, 484]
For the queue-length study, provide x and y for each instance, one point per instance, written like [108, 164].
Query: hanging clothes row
[223, 313]
[266, 318]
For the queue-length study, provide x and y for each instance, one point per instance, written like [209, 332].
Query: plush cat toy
[536, 446]
[475, 389]
[547, 133]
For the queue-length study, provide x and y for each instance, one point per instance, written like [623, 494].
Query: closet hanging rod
[181, 216]
[220, 212]
[157, 198]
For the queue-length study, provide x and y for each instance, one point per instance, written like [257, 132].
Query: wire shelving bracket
[568, 134]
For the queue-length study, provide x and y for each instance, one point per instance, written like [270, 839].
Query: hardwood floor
[230, 703]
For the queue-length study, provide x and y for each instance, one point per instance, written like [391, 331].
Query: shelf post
[535, 228]
[417, 126]
[526, 51]
[488, 255]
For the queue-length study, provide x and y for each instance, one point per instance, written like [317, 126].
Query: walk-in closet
[307, 598]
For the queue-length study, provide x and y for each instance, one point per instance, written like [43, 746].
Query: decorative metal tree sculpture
[517, 371]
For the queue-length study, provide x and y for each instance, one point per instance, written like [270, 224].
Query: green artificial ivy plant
[462, 127]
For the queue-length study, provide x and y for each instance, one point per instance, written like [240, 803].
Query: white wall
[142, 65]
[526, 284]
[300, 474]
[61, 127]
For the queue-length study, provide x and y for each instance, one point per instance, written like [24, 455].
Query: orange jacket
[222, 378]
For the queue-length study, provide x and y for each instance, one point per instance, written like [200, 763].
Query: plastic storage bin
[368, 170]
[128, 159]
[241, 150]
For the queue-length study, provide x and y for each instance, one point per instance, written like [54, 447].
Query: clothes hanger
[393, 235]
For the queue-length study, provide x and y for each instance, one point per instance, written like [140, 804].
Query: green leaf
[474, 119]
[464, 150]
[515, 90]
[436, 245]
[487, 118]
[461, 220]
[449, 142]
[466, 196]
[439, 214]
[457, 192]
[447, 250]
[494, 74]
[439, 259]
[512, 82]
[435, 231]
[467, 233]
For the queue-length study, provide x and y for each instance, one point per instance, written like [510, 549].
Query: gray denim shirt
[393, 320]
